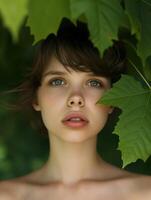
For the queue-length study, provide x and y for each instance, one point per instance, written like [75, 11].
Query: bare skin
[74, 170]
[121, 185]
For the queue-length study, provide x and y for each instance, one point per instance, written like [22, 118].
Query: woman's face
[67, 102]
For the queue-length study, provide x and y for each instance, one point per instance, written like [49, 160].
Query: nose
[76, 100]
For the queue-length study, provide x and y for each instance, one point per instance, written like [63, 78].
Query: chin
[76, 136]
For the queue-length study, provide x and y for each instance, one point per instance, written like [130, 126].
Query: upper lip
[78, 115]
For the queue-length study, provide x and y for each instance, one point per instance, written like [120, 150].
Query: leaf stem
[141, 75]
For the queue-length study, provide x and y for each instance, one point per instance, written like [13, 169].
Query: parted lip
[71, 115]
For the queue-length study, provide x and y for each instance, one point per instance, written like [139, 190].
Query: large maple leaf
[134, 125]
[103, 17]
[45, 16]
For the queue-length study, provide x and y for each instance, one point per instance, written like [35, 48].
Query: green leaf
[147, 69]
[134, 124]
[45, 16]
[139, 13]
[13, 13]
[103, 17]
[132, 10]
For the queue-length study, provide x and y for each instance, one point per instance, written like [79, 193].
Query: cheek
[49, 97]
[99, 113]
[50, 104]
[102, 113]
[93, 98]
[93, 95]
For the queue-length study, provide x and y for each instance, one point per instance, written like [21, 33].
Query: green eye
[95, 83]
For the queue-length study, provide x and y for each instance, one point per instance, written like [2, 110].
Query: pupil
[57, 82]
[94, 83]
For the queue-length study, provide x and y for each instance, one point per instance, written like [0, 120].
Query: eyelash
[51, 82]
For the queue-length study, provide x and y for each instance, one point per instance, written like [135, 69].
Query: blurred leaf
[139, 13]
[3, 151]
[20, 144]
[45, 16]
[134, 125]
[13, 13]
[147, 69]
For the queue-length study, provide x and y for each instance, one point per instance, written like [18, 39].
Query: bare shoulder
[128, 187]
[6, 190]
[11, 189]
[26, 188]
[134, 186]
[141, 185]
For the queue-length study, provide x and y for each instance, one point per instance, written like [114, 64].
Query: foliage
[42, 19]
[22, 149]
[139, 13]
[107, 20]
[135, 102]
[102, 18]
[13, 13]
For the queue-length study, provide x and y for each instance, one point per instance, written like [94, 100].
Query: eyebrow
[54, 73]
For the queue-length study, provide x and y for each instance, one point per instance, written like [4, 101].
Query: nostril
[76, 101]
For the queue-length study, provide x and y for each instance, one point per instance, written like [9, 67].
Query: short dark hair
[73, 48]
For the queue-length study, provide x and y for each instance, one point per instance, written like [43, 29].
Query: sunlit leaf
[45, 16]
[13, 12]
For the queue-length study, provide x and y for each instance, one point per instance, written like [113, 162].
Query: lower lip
[75, 124]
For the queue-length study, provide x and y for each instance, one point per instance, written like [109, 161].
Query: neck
[72, 162]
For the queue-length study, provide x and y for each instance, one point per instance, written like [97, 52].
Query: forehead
[55, 65]
[56, 68]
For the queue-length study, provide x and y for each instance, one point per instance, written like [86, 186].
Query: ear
[111, 109]
[36, 106]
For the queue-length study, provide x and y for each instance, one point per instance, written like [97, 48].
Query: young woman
[67, 80]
